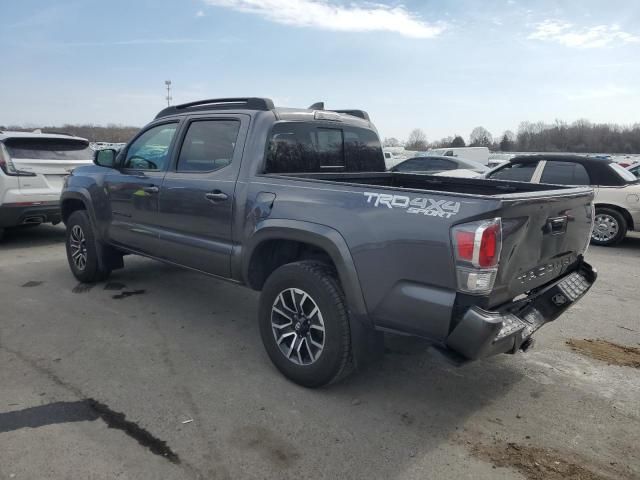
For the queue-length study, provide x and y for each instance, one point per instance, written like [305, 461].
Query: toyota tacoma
[296, 204]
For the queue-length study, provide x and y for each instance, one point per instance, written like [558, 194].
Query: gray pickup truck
[296, 203]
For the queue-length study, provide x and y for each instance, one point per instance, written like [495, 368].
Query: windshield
[623, 172]
[48, 149]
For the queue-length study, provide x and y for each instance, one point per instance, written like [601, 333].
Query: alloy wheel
[78, 247]
[298, 326]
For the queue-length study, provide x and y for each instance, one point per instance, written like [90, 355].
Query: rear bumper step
[481, 333]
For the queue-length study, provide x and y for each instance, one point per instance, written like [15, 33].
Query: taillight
[6, 165]
[477, 247]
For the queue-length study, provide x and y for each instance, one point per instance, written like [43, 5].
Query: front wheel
[609, 227]
[304, 324]
[82, 249]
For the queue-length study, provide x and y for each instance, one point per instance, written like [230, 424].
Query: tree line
[581, 136]
[94, 133]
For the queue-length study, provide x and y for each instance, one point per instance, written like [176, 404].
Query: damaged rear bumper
[481, 333]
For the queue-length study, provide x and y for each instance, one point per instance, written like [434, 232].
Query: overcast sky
[443, 66]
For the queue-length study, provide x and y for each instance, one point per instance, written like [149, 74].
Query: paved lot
[186, 347]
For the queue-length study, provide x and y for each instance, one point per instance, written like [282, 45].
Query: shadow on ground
[32, 236]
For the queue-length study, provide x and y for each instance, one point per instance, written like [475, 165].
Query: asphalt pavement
[160, 373]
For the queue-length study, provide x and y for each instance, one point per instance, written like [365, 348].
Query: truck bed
[422, 182]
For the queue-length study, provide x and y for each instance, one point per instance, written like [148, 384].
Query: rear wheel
[609, 227]
[82, 249]
[304, 324]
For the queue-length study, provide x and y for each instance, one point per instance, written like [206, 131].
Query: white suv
[33, 167]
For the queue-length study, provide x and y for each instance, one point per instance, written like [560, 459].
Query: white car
[445, 165]
[617, 190]
[33, 167]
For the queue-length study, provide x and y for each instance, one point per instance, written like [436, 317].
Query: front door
[197, 195]
[135, 187]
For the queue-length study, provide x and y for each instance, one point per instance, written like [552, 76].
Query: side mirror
[105, 157]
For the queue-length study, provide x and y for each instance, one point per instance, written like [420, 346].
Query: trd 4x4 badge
[418, 205]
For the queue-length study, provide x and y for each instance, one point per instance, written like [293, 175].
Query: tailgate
[543, 237]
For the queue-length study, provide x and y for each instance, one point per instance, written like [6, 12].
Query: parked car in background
[617, 191]
[635, 169]
[33, 167]
[432, 164]
[479, 154]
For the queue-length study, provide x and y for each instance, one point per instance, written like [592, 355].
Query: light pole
[168, 84]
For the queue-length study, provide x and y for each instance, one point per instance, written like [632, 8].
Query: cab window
[150, 151]
[208, 145]
[297, 147]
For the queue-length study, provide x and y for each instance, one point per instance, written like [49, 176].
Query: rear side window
[565, 173]
[296, 147]
[521, 172]
[208, 145]
[48, 149]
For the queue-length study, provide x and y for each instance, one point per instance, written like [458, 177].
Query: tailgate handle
[557, 225]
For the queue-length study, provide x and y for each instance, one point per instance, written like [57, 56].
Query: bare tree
[417, 140]
[391, 142]
[480, 137]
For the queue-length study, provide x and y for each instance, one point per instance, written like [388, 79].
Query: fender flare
[320, 236]
[82, 195]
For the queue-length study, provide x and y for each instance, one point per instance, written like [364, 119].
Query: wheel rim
[298, 326]
[605, 228]
[78, 246]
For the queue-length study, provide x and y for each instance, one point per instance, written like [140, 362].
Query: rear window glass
[623, 172]
[296, 147]
[48, 149]
[565, 173]
[521, 172]
[426, 164]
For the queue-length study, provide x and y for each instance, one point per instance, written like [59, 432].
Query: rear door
[51, 159]
[197, 195]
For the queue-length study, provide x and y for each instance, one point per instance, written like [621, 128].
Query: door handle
[216, 196]
[151, 189]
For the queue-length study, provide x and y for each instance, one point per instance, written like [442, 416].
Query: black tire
[91, 271]
[319, 281]
[605, 220]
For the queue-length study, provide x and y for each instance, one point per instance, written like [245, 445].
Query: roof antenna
[317, 106]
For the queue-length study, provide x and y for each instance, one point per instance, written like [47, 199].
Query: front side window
[565, 173]
[150, 151]
[208, 145]
[297, 147]
[520, 172]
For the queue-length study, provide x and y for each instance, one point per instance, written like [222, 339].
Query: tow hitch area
[483, 333]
